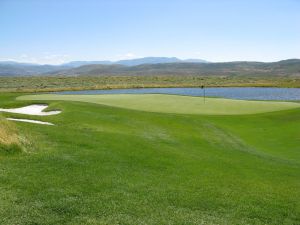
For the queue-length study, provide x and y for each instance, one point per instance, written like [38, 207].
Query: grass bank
[11, 141]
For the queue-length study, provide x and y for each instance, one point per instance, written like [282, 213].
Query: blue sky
[56, 31]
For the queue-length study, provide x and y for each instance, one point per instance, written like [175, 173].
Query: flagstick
[204, 94]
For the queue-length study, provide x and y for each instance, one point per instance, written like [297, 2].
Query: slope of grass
[10, 140]
[7, 132]
[108, 165]
[174, 103]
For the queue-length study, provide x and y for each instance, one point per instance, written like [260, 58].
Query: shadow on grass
[10, 149]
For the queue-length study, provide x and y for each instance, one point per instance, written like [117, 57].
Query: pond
[253, 93]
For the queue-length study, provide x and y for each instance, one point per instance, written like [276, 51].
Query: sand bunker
[30, 121]
[36, 110]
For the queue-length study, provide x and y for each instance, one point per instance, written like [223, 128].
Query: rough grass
[9, 137]
[8, 133]
[109, 165]
[174, 103]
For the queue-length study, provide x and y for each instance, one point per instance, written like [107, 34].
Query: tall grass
[10, 140]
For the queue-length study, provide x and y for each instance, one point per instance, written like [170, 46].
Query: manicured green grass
[111, 165]
[174, 103]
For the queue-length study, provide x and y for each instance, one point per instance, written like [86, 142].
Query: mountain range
[153, 66]
[11, 68]
[135, 62]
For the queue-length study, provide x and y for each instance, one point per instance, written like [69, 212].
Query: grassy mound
[174, 103]
[9, 138]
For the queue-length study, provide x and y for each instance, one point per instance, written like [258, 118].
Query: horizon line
[113, 61]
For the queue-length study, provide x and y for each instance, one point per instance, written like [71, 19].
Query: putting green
[173, 103]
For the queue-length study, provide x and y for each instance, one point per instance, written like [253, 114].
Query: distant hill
[156, 60]
[154, 66]
[195, 60]
[74, 64]
[281, 68]
[11, 68]
[24, 69]
[135, 62]
[148, 60]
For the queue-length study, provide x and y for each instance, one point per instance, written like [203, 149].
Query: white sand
[36, 110]
[30, 121]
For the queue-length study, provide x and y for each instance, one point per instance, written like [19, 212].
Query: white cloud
[24, 56]
[7, 59]
[49, 58]
[128, 55]
[46, 58]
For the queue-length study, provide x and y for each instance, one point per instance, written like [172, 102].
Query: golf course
[150, 159]
[128, 112]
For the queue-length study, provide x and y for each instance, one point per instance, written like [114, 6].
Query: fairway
[111, 165]
[173, 103]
